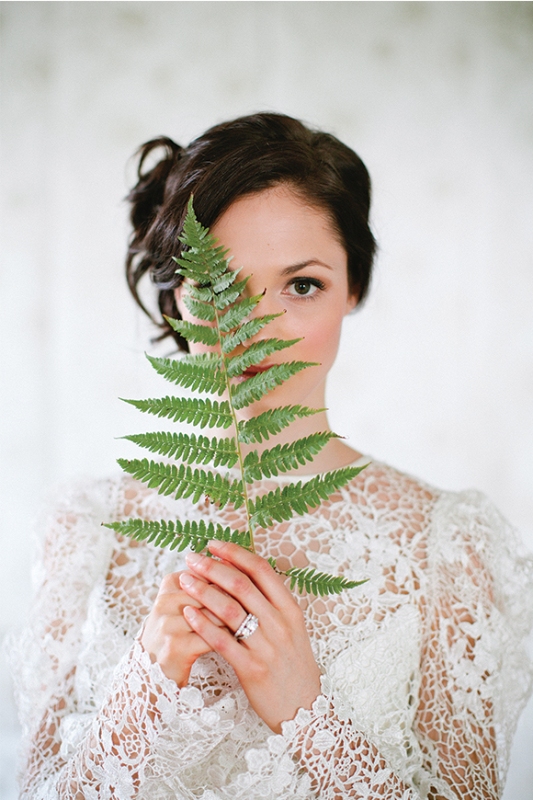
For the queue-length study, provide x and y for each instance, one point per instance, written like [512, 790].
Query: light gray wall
[433, 376]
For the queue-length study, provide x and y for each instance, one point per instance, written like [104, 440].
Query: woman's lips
[255, 369]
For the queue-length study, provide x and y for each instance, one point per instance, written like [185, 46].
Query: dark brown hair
[229, 161]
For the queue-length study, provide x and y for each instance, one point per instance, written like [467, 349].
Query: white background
[435, 373]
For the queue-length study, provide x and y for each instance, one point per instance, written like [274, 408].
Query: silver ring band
[249, 626]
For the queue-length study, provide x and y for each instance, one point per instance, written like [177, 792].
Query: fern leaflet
[189, 447]
[204, 413]
[178, 535]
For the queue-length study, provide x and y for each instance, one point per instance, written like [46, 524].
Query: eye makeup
[305, 288]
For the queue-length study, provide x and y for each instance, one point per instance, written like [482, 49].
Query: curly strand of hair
[146, 199]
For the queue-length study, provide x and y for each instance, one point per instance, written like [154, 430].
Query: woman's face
[292, 254]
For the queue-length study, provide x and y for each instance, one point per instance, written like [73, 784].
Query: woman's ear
[352, 300]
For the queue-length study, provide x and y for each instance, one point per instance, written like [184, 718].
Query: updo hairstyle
[227, 162]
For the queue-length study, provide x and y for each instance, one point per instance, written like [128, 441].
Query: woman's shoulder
[451, 517]
[472, 550]
[391, 484]
[72, 516]
[108, 497]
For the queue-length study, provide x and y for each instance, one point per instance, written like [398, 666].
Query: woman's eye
[305, 287]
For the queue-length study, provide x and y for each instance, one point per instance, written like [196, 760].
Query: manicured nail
[186, 579]
[189, 613]
[194, 559]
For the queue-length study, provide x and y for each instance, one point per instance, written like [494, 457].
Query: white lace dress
[424, 672]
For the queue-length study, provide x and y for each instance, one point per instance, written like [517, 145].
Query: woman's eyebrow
[303, 264]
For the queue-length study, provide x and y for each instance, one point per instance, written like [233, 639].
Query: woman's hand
[167, 637]
[275, 665]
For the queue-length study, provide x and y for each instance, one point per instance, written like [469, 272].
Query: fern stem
[236, 429]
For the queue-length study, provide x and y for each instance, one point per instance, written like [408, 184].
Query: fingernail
[193, 558]
[186, 579]
[189, 612]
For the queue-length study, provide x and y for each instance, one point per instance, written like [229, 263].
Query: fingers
[239, 584]
[167, 636]
[231, 593]
[218, 606]
[218, 639]
[258, 570]
[172, 599]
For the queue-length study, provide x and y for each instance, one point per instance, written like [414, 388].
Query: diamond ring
[249, 626]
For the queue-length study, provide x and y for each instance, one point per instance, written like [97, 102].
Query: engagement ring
[248, 627]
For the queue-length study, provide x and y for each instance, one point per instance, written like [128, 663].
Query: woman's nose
[268, 306]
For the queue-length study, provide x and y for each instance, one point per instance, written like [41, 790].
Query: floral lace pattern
[424, 673]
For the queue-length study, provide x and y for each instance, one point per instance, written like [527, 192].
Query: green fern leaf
[204, 294]
[224, 281]
[195, 333]
[204, 413]
[319, 583]
[220, 294]
[200, 373]
[189, 447]
[227, 298]
[258, 385]
[271, 422]
[246, 331]
[202, 255]
[198, 309]
[283, 458]
[238, 312]
[255, 354]
[182, 481]
[178, 535]
[298, 498]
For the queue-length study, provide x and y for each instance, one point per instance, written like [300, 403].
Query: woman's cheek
[322, 341]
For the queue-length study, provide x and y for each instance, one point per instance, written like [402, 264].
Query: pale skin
[293, 254]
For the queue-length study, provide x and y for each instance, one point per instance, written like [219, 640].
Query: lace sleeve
[118, 749]
[476, 674]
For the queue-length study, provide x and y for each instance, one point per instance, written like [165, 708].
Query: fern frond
[200, 373]
[202, 255]
[245, 331]
[319, 583]
[182, 481]
[254, 388]
[238, 312]
[284, 457]
[194, 333]
[282, 504]
[214, 295]
[204, 294]
[224, 281]
[202, 412]
[271, 422]
[178, 535]
[256, 353]
[198, 309]
[228, 297]
[189, 447]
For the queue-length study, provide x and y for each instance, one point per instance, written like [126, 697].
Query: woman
[147, 673]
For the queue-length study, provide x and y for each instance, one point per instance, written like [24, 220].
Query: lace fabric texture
[424, 670]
